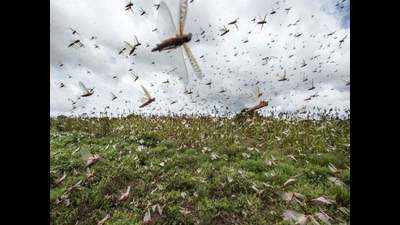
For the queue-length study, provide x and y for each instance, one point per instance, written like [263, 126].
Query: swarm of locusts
[290, 167]
[177, 40]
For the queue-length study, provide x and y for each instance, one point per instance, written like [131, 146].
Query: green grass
[215, 169]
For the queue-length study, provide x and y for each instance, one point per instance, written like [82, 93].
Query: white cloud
[237, 75]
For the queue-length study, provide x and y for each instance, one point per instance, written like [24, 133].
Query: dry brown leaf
[214, 156]
[289, 196]
[92, 159]
[332, 168]
[323, 217]
[75, 186]
[322, 201]
[125, 194]
[63, 199]
[298, 218]
[60, 180]
[59, 200]
[147, 217]
[89, 174]
[183, 194]
[289, 182]
[292, 157]
[157, 208]
[184, 211]
[254, 187]
[298, 195]
[313, 220]
[302, 220]
[245, 155]
[269, 163]
[102, 221]
[67, 202]
[336, 181]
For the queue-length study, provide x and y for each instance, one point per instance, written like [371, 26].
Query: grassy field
[166, 170]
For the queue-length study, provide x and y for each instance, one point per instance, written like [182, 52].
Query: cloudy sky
[301, 38]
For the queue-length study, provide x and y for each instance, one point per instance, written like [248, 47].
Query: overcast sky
[303, 42]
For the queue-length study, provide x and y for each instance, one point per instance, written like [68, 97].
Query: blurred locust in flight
[74, 43]
[312, 86]
[342, 40]
[132, 47]
[73, 31]
[234, 23]
[224, 31]
[157, 6]
[284, 78]
[129, 6]
[262, 22]
[142, 12]
[86, 92]
[261, 103]
[180, 38]
[147, 98]
[113, 96]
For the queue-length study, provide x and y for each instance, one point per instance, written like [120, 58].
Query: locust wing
[128, 44]
[113, 96]
[193, 62]
[258, 94]
[137, 41]
[183, 6]
[83, 87]
[172, 58]
[165, 23]
[146, 93]
[183, 73]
